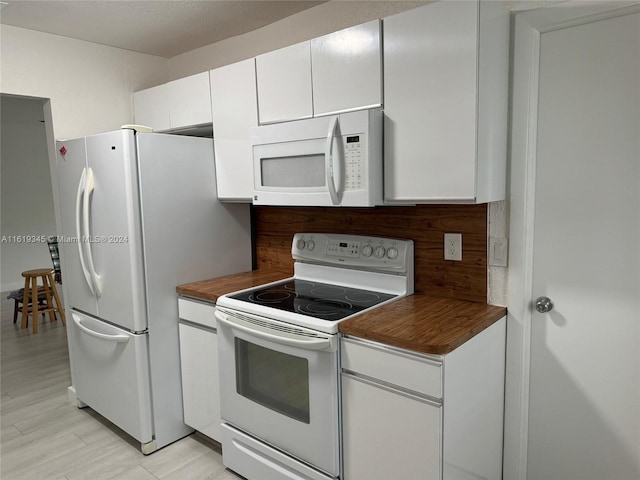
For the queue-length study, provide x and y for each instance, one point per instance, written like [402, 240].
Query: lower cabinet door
[200, 385]
[389, 434]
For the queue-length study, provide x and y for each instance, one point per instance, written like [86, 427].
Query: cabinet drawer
[197, 312]
[393, 366]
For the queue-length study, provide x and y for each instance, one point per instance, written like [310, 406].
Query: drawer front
[404, 370]
[197, 312]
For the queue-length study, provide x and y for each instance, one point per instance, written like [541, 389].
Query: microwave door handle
[334, 128]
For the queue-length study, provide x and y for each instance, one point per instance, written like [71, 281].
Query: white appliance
[278, 353]
[326, 161]
[139, 216]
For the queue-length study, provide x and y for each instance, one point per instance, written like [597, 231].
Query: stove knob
[311, 245]
[301, 243]
[392, 253]
[380, 252]
[367, 251]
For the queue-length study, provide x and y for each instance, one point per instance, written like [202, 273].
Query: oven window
[273, 379]
[299, 171]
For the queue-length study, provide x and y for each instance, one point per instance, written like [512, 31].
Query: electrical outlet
[453, 246]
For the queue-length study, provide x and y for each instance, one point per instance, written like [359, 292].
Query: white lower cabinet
[410, 416]
[199, 367]
[388, 433]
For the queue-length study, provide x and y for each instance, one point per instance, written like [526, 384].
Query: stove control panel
[357, 251]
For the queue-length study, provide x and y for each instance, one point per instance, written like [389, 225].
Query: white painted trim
[522, 201]
[526, 55]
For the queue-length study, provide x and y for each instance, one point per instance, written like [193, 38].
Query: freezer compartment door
[111, 373]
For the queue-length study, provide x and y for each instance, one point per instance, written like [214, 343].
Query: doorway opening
[28, 186]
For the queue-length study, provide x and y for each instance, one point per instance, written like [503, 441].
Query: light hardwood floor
[43, 436]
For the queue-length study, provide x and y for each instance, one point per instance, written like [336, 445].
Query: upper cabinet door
[284, 84]
[347, 69]
[235, 110]
[189, 101]
[181, 103]
[445, 92]
[151, 107]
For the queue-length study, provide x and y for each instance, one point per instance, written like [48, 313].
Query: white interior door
[576, 183]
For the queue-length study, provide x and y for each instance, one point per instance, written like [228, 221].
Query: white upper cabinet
[189, 101]
[284, 84]
[445, 100]
[151, 107]
[338, 72]
[347, 69]
[235, 110]
[178, 104]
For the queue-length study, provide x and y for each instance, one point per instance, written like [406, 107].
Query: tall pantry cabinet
[445, 102]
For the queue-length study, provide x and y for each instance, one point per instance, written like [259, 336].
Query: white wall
[314, 22]
[27, 198]
[89, 85]
[90, 90]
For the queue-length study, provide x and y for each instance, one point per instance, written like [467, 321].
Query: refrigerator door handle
[103, 336]
[86, 214]
[80, 240]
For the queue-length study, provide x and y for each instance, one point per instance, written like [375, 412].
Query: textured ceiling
[158, 27]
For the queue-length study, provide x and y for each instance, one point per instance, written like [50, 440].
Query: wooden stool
[31, 292]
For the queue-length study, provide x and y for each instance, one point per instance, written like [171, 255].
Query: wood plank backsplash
[424, 224]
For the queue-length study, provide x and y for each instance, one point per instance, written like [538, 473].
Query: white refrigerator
[139, 216]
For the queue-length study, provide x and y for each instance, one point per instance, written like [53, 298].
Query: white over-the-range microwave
[327, 161]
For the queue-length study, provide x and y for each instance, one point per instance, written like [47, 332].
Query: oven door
[279, 384]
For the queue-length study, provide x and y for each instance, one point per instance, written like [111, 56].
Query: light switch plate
[453, 246]
[498, 251]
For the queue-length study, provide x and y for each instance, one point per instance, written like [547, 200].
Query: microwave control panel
[353, 154]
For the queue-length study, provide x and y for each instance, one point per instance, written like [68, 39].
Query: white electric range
[278, 353]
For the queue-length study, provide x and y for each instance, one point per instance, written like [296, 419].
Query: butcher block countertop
[210, 290]
[424, 324]
[418, 322]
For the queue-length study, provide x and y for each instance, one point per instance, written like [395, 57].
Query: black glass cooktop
[319, 300]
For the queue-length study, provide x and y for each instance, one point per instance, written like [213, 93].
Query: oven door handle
[301, 342]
